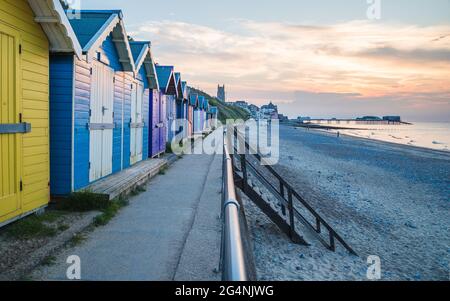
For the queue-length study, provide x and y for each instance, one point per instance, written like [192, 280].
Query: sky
[321, 58]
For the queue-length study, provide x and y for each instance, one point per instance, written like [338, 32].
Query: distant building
[221, 93]
[270, 107]
[254, 111]
[392, 118]
[303, 119]
[281, 117]
[369, 118]
[241, 104]
[269, 111]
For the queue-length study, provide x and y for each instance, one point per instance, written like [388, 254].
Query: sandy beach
[387, 200]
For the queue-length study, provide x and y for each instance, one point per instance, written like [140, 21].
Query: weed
[77, 239]
[63, 227]
[49, 260]
[34, 226]
[169, 148]
[138, 190]
[110, 212]
[82, 202]
[163, 170]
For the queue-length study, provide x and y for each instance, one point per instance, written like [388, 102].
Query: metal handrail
[320, 222]
[233, 256]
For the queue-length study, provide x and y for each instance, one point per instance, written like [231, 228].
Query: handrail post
[283, 208]
[332, 242]
[244, 172]
[318, 228]
[291, 214]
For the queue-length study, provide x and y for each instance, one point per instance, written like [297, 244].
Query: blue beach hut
[179, 103]
[88, 100]
[206, 126]
[145, 81]
[193, 103]
[213, 114]
[158, 122]
[198, 115]
[169, 92]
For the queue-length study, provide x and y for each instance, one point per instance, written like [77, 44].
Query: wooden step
[124, 182]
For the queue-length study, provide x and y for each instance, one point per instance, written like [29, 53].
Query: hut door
[9, 122]
[155, 123]
[137, 124]
[101, 122]
[163, 120]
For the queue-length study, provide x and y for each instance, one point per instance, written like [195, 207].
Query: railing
[285, 189]
[233, 263]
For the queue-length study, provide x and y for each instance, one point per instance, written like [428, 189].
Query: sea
[421, 134]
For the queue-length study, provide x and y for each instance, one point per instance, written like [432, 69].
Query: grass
[82, 202]
[49, 260]
[162, 171]
[169, 148]
[138, 190]
[34, 226]
[110, 212]
[226, 111]
[77, 239]
[63, 227]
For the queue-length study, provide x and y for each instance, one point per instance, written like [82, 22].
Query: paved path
[171, 231]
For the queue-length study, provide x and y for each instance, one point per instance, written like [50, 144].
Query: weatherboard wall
[141, 76]
[61, 134]
[70, 98]
[128, 79]
[32, 100]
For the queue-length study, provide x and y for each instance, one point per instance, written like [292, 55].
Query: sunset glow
[400, 65]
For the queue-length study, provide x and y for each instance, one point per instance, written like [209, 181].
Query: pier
[353, 122]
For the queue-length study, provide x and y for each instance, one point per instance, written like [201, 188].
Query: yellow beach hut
[29, 31]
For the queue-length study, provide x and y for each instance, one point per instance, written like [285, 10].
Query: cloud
[261, 61]
[438, 55]
[414, 107]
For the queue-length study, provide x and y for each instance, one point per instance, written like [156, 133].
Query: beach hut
[145, 81]
[26, 40]
[185, 108]
[193, 103]
[157, 117]
[90, 103]
[213, 112]
[169, 92]
[179, 104]
[206, 116]
[198, 115]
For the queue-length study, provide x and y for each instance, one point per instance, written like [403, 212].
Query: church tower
[221, 93]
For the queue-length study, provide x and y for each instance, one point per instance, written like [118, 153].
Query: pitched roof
[201, 101]
[92, 27]
[184, 88]
[177, 77]
[179, 85]
[143, 58]
[193, 99]
[166, 79]
[213, 110]
[51, 16]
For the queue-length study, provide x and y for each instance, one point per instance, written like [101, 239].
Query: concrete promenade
[169, 232]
